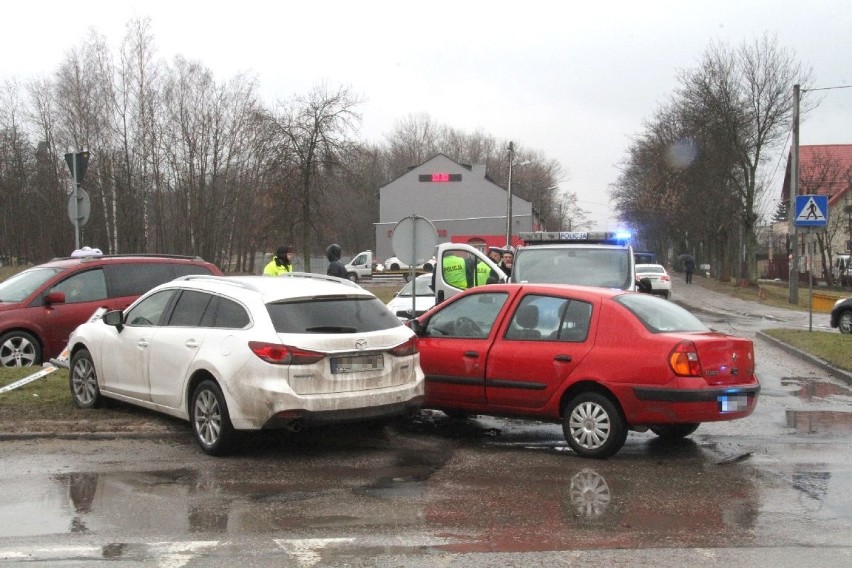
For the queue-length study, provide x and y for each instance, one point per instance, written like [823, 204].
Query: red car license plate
[732, 402]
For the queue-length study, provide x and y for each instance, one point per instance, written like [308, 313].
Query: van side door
[448, 258]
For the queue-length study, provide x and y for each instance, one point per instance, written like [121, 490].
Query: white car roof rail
[234, 282]
[315, 276]
[222, 279]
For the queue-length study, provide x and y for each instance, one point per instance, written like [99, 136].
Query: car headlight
[837, 303]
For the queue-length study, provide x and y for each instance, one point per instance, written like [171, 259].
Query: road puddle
[814, 390]
[820, 421]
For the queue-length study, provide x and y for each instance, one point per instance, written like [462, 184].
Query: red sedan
[599, 361]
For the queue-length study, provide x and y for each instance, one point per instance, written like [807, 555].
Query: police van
[587, 258]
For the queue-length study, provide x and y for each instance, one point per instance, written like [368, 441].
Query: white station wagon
[249, 353]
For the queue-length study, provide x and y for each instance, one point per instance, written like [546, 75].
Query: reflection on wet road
[435, 483]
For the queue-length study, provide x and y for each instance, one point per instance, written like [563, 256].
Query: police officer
[281, 263]
[483, 274]
[496, 255]
[454, 270]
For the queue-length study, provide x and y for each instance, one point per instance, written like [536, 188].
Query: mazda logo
[360, 344]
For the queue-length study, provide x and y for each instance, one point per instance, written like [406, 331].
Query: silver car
[415, 298]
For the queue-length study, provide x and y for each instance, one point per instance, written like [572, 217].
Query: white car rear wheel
[211, 422]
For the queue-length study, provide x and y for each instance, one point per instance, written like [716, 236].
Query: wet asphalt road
[772, 489]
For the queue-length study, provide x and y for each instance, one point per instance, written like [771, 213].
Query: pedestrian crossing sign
[811, 211]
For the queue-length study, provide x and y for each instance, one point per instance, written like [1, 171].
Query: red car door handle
[563, 358]
[473, 354]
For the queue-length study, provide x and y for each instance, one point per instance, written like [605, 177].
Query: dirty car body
[246, 353]
[601, 362]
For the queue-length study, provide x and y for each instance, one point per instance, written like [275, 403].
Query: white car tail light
[407, 348]
[278, 354]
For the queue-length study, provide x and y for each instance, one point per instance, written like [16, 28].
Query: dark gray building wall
[473, 206]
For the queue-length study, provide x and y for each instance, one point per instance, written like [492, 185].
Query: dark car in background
[841, 315]
[41, 306]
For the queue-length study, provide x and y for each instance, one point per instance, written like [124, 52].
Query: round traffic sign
[414, 239]
[83, 208]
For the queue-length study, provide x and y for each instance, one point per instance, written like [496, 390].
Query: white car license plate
[356, 363]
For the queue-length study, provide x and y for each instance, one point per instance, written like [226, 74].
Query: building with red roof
[826, 169]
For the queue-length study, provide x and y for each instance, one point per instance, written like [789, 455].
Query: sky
[573, 80]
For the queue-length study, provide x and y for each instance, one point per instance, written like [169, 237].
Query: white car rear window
[332, 315]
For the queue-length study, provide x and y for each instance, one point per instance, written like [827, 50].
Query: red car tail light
[407, 348]
[278, 354]
[664, 278]
[683, 360]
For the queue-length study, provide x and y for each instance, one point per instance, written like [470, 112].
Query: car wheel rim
[84, 382]
[208, 419]
[589, 425]
[17, 352]
[846, 322]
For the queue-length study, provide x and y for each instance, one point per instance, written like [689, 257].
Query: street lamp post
[509, 197]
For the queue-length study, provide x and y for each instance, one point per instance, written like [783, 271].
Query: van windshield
[603, 267]
[24, 283]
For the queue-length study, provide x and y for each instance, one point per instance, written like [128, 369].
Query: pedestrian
[689, 267]
[335, 267]
[281, 263]
[508, 261]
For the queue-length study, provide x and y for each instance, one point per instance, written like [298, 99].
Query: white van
[600, 259]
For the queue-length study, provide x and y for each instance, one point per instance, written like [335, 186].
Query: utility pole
[794, 191]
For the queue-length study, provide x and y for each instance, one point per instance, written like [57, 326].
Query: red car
[41, 306]
[599, 361]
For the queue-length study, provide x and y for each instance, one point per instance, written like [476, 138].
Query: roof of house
[824, 169]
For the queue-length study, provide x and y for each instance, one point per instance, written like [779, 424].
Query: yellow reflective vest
[454, 272]
[482, 273]
[272, 269]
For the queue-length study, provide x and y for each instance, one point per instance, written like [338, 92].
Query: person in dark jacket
[508, 261]
[335, 267]
[689, 267]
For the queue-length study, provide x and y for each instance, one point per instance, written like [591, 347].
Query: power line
[828, 88]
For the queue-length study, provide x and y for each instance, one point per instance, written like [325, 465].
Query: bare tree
[413, 140]
[747, 96]
[318, 129]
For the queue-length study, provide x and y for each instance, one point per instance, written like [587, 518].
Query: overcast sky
[575, 80]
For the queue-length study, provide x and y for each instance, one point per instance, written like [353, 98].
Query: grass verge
[47, 397]
[833, 347]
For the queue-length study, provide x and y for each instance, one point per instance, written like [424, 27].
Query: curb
[821, 363]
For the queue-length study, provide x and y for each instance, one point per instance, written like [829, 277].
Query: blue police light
[623, 235]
